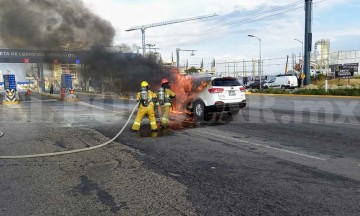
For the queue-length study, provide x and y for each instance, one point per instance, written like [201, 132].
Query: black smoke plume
[123, 72]
[58, 24]
[51, 24]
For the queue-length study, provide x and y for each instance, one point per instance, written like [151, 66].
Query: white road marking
[99, 107]
[264, 146]
[174, 174]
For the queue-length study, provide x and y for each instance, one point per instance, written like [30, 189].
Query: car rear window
[225, 82]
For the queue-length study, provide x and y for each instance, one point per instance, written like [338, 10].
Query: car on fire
[220, 95]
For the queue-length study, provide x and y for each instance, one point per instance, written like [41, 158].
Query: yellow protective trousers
[165, 110]
[142, 111]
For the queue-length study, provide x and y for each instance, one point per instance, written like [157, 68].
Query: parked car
[255, 85]
[222, 94]
[283, 82]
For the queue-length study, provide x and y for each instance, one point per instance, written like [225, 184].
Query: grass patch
[338, 82]
[270, 91]
[336, 92]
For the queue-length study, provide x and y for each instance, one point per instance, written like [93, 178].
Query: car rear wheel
[283, 87]
[199, 111]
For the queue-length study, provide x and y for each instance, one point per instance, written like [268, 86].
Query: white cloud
[277, 34]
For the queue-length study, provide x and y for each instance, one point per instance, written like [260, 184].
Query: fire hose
[72, 151]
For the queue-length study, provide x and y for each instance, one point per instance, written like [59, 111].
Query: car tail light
[242, 88]
[216, 90]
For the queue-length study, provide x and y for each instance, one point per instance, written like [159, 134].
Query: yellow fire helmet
[144, 84]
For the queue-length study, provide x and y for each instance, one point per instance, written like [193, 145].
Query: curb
[299, 95]
[10, 102]
[71, 100]
[59, 98]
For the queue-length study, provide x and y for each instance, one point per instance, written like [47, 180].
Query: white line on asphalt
[264, 146]
[99, 107]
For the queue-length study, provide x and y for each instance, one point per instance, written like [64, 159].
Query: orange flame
[185, 89]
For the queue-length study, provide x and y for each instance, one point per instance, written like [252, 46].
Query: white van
[283, 82]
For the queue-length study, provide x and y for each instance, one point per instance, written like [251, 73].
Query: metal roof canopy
[49, 56]
[40, 56]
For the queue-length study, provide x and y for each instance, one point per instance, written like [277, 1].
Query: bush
[320, 77]
[270, 91]
[336, 92]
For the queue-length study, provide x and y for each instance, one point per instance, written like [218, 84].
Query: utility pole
[259, 67]
[302, 55]
[308, 40]
[178, 55]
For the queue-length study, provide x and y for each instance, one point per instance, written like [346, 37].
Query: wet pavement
[298, 158]
[106, 181]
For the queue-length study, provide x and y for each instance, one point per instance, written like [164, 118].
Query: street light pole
[150, 47]
[259, 59]
[302, 65]
[302, 50]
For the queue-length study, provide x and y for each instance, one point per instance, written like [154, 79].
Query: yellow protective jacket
[165, 108]
[169, 94]
[145, 110]
[151, 97]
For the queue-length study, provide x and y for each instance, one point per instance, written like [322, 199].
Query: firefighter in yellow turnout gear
[146, 107]
[165, 95]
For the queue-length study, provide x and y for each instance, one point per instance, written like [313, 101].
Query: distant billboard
[344, 70]
[353, 66]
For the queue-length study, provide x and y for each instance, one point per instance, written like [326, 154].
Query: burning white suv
[222, 94]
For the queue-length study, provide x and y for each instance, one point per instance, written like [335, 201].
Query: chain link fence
[274, 66]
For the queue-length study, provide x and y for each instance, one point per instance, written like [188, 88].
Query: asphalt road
[279, 156]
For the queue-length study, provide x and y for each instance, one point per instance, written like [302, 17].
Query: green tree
[191, 70]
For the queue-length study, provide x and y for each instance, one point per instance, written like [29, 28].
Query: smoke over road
[57, 24]
[51, 24]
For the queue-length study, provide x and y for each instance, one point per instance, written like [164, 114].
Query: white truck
[282, 82]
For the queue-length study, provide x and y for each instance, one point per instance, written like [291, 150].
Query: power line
[261, 15]
[256, 17]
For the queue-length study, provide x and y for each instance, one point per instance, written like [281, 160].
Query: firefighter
[165, 96]
[147, 99]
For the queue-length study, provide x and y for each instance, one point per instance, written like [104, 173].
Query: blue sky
[336, 20]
